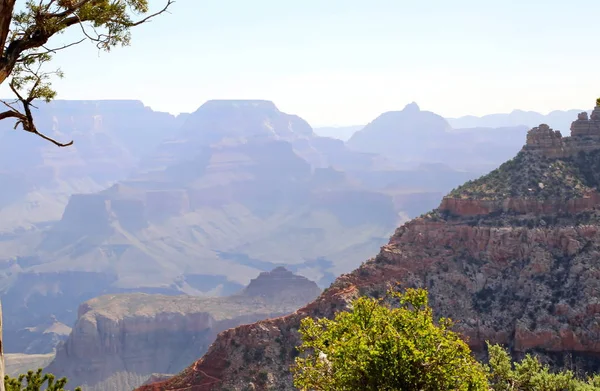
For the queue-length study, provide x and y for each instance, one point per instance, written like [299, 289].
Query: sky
[344, 62]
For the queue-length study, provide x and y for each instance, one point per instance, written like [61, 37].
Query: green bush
[36, 381]
[531, 375]
[375, 346]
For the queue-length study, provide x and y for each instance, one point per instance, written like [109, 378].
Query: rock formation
[119, 341]
[585, 135]
[280, 285]
[512, 256]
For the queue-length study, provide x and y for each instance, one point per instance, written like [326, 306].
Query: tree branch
[26, 119]
[42, 20]
[147, 18]
[70, 9]
[48, 51]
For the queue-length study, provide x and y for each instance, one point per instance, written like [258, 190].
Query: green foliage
[379, 347]
[24, 47]
[107, 23]
[531, 375]
[35, 381]
[375, 346]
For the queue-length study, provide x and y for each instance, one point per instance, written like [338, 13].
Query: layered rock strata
[524, 274]
[585, 135]
[121, 341]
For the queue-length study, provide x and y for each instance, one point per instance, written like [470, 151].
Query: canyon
[511, 256]
[203, 203]
[206, 201]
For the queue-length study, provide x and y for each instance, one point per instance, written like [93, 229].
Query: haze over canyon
[150, 216]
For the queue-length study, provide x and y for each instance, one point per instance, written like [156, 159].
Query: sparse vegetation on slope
[531, 175]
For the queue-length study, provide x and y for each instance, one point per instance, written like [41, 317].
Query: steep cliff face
[513, 256]
[119, 341]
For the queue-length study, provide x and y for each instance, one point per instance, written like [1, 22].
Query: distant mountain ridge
[416, 136]
[110, 138]
[558, 119]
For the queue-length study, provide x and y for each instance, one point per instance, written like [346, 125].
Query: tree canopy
[394, 344]
[26, 50]
[376, 347]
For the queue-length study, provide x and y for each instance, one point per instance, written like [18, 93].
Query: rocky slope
[512, 256]
[119, 341]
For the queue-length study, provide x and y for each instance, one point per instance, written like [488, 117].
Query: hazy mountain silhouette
[110, 138]
[416, 136]
[558, 119]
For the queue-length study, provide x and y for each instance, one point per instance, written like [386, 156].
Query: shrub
[36, 381]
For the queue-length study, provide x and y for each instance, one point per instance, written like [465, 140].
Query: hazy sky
[342, 62]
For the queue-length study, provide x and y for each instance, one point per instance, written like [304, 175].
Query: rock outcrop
[585, 136]
[281, 285]
[119, 341]
[524, 275]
